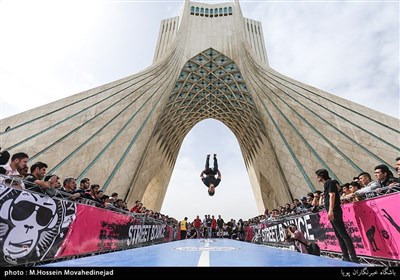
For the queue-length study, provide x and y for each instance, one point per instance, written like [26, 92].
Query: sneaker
[208, 156]
[345, 259]
[356, 260]
[215, 155]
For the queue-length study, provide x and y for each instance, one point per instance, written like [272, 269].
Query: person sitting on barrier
[208, 175]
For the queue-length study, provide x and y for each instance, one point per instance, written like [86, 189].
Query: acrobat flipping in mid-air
[208, 175]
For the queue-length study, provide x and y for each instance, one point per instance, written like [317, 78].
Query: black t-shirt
[220, 223]
[30, 184]
[211, 180]
[30, 178]
[330, 187]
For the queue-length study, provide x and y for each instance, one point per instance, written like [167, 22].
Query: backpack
[313, 249]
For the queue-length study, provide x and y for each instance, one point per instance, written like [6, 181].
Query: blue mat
[204, 253]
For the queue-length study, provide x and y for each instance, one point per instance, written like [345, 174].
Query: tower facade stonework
[210, 62]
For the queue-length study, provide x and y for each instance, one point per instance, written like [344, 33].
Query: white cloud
[348, 49]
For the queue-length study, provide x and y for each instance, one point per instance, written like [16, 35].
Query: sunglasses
[24, 209]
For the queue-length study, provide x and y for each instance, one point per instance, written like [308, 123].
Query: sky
[53, 49]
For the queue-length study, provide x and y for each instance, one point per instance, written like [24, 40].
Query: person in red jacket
[197, 225]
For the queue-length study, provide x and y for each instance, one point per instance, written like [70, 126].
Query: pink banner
[373, 225]
[96, 230]
[85, 232]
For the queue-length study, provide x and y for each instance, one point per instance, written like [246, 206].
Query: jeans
[345, 242]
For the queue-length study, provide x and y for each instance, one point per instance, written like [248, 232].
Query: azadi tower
[210, 62]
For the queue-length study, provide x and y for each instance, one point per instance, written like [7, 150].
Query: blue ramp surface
[204, 253]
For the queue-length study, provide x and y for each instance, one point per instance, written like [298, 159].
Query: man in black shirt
[209, 180]
[335, 215]
[35, 180]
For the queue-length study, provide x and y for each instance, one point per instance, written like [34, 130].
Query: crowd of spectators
[359, 188]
